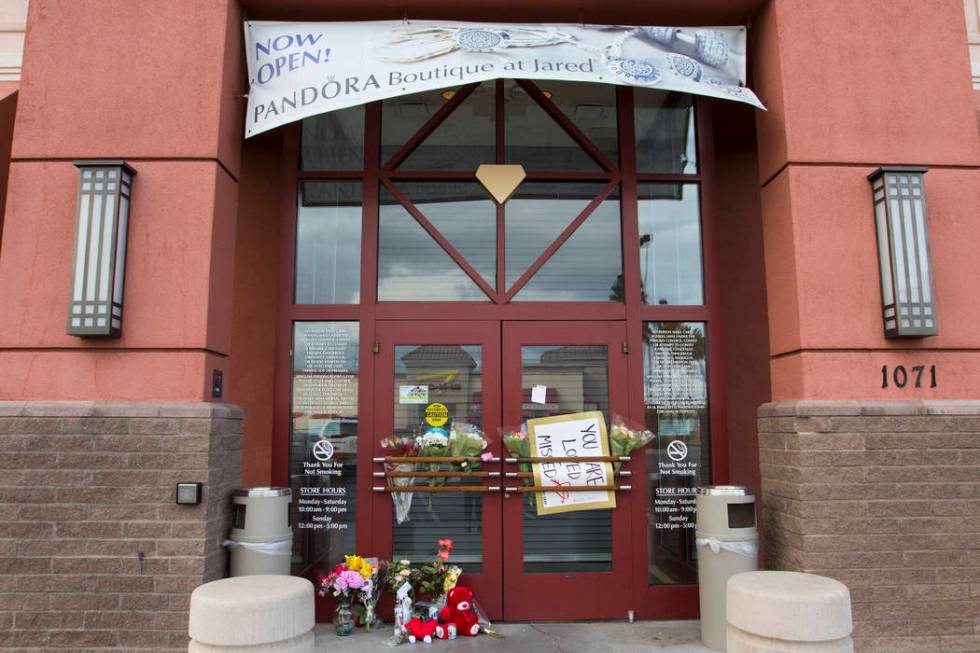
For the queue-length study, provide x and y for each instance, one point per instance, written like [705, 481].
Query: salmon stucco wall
[844, 98]
[163, 93]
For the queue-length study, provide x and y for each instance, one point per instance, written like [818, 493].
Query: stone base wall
[885, 497]
[94, 551]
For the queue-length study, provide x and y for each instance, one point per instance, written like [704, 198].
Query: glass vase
[343, 619]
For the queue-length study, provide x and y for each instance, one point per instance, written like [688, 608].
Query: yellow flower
[354, 562]
[366, 569]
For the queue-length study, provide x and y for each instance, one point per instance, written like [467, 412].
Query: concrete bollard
[248, 614]
[788, 612]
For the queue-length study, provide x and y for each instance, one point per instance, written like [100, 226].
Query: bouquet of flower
[623, 440]
[367, 599]
[519, 446]
[398, 577]
[401, 448]
[467, 441]
[435, 579]
[398, 573]
[353, 579]
[434, 443]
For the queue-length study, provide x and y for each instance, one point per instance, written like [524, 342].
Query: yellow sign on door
[436, 414]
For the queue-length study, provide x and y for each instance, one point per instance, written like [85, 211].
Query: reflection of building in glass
[575, 376]
[453, 377]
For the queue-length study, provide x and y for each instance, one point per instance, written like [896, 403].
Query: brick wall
[885, 497]
[86, 488]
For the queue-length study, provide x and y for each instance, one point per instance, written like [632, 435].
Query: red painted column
[160, 89]
[851, 86]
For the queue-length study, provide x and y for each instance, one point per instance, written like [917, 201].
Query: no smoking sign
[677, 451]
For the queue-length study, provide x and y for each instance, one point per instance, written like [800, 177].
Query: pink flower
[444, 555]
[348, 580]
[486, 456]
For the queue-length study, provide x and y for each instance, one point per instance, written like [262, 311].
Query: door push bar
[622, 472]
[433, 459]
[524, 489]
[438, 489]
[566, 459]
[426, 474]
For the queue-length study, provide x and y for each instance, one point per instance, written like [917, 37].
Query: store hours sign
[298, 70]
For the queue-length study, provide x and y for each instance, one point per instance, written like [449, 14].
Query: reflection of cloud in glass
[586, 266]
[670, 251]
[328, 244]
[413, 267]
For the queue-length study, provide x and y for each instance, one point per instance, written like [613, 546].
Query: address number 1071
[900, 376]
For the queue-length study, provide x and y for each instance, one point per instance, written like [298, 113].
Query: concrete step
[578, 637]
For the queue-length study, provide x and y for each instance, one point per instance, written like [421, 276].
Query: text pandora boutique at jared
[390, 228]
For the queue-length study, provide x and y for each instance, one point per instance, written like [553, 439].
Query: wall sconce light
[99, 268]
[907, 294]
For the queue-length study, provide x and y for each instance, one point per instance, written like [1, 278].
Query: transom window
[559, 238]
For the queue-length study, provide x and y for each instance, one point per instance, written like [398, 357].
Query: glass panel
[670, 243]
[464, 215]
[576, 378]
[533, 139]
[665, 132]
[328, 243]
[588, 266]
[675, 398]
[464, 140]
[334, 141]
[323, 442]
[453, 376]
[535, 215]
[411, 265]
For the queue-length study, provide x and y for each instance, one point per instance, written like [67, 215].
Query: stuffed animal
[418, 629]
[458, 613]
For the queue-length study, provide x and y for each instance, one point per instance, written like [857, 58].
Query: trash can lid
[726, 490]
[262, 491]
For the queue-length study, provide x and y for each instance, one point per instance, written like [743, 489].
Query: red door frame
[648, 602]
[486, 584]
[554, 596]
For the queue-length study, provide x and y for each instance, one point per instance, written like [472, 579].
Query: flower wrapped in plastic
[434, 443]
[466, 440]
[399, 447]
[519, 446]
[366, 599]
[624, 440]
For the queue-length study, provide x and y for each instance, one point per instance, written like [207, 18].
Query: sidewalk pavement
[578, 637]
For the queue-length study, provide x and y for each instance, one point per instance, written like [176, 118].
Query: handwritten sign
[571, 436]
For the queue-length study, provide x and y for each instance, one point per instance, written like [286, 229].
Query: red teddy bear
[418, 629]
[458, 614]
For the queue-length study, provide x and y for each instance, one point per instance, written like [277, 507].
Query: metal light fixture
[99, 268]
[907, 294]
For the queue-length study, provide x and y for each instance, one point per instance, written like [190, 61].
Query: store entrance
[494, 376]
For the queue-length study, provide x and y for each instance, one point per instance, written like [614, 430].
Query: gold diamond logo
[500, 180]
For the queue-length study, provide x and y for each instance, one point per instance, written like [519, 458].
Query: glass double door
[493, 377]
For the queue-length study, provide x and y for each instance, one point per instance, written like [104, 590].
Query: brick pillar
[885, 497]
[94, 552]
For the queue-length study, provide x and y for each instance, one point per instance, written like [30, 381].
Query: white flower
[434, 439]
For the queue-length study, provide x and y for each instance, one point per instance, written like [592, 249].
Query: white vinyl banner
[297, 70]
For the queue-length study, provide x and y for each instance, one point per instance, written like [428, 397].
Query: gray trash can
[261, 539]
[727, 544]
